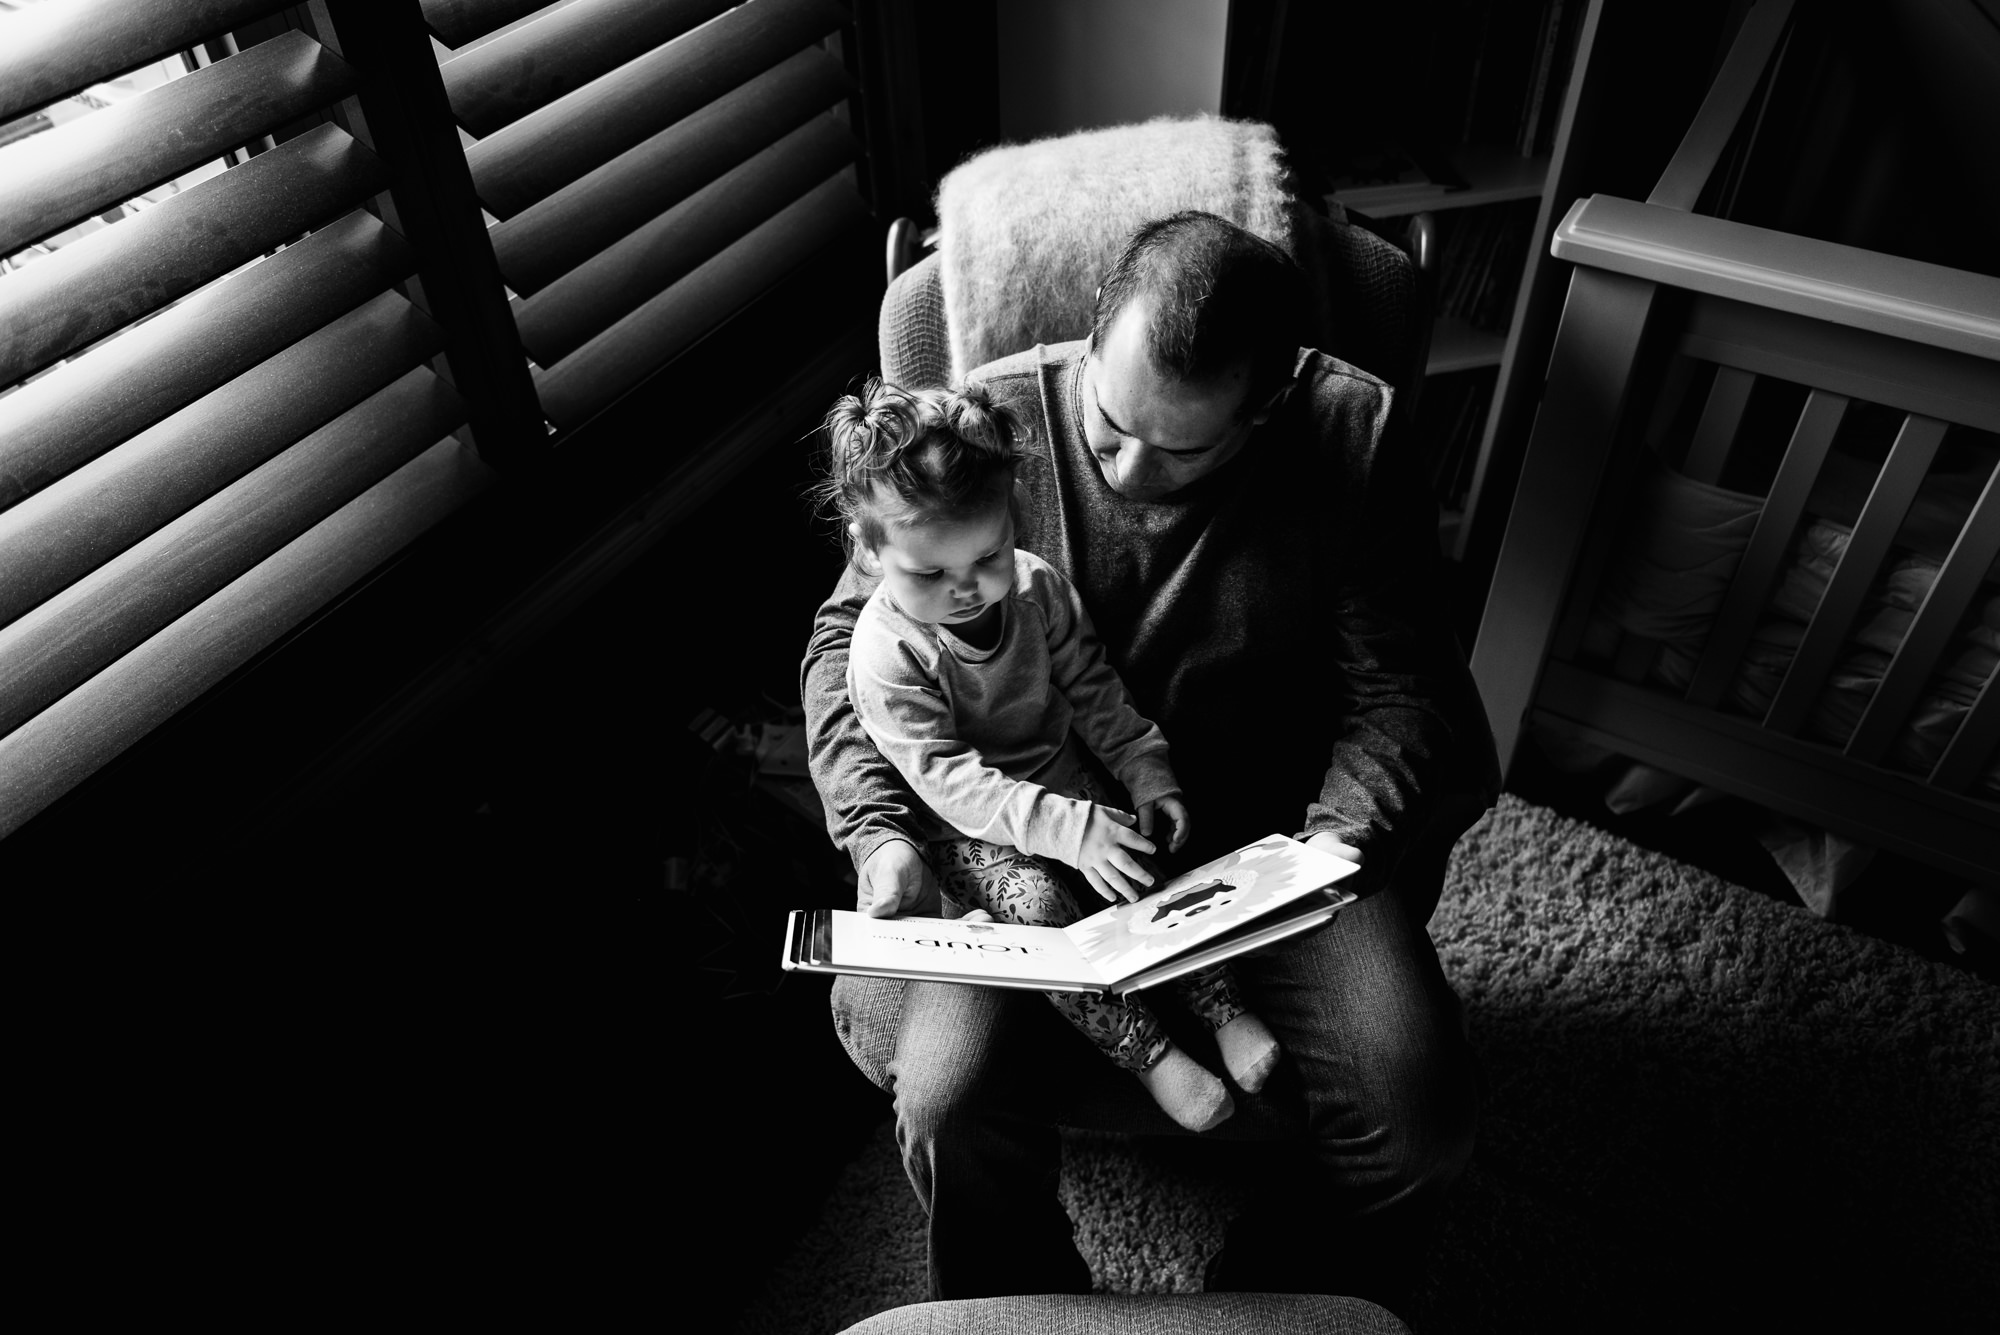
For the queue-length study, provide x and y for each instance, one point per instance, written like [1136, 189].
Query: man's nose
[1137, 466]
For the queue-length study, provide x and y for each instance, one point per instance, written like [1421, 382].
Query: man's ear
[862, 556]
[1272, 404]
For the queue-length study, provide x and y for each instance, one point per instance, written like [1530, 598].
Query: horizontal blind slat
[581, 304]
[63, 175]
[629, 351]
[512, 75]
[72, 636]
[547, 149]
[105, 715]
[112, 277]
[52, 51]
[457, 22]
[59, 535]
[587, 215]
[77, 412]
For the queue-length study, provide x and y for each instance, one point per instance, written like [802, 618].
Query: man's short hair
[1220, 295]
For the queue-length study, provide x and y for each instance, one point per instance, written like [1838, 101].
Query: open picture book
[1265, 892]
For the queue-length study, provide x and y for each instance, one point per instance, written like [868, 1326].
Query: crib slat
[1720, 417]
[1943, 607]
[1621, 480]
[1770, 546]
[1667, 403]
[1909, 459]
[1973, 747]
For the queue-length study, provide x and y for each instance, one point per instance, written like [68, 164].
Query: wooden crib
[1683, 340]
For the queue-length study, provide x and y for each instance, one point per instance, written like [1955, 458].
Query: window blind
[267, 318]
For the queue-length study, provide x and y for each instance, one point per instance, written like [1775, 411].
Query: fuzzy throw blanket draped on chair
[1026, 231]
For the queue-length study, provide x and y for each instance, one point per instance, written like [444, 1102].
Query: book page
[986, 952]
[1213, 900]
[1274, 927]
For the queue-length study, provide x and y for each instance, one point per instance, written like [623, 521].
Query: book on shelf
[1518, 71]
[1391, 178]
[1449, 428]
[1538, 78]
[1481, 253]
[1540, 135]
[1260, 894]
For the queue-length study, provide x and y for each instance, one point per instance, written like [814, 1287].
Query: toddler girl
[970, 666]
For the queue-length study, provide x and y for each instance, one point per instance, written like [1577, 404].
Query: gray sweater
[981, 734]
[1283, 620]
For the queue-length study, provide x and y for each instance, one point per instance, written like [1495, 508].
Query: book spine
[1538, 90]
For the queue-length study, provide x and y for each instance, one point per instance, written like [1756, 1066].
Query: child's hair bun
[865, 424]
[974, 418]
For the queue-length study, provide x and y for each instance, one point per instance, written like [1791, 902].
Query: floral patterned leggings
[1018, 887]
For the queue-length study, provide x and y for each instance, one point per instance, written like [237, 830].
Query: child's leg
[1249, 1049]
[1016, 887]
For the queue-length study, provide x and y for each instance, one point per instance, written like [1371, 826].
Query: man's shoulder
[1019, 371]
[1325, 377]
[1344, 407]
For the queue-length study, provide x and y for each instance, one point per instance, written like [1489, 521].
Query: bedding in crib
[1682, 544]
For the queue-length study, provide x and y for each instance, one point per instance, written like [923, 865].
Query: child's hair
[898, 456]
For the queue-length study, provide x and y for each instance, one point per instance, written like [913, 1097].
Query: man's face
[1150, 433]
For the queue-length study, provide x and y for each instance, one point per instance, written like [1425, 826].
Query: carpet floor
[1703, 1108]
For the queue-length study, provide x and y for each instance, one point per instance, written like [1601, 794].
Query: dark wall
[1882, 130]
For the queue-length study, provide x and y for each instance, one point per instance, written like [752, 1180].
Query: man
[1263, 571]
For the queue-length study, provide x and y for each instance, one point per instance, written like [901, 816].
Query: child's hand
[895, 880]
[1175, 811]
[1107, 858]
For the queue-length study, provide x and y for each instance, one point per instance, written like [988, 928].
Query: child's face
[950, 573]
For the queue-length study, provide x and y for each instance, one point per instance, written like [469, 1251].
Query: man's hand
[1106, 859]
[1331, 843]
[1175, 811]
[896, 880]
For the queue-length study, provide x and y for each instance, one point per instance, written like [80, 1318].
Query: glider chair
[1026, 233]
[1139, 1314]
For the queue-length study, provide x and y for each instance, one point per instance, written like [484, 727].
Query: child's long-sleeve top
[979, 733]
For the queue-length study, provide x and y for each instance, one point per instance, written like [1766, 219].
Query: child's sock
[1190, 1093]
[1249, 1051]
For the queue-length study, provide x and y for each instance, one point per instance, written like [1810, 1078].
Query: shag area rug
[1703, 1109]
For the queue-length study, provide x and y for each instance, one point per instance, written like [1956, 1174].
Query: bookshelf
[1484, 150]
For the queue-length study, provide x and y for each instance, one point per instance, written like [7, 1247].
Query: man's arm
[870, 812]
[1411, 726]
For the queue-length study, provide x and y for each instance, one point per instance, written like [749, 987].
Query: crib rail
[1734, 755]
[1667, 304]
[1842, 285]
